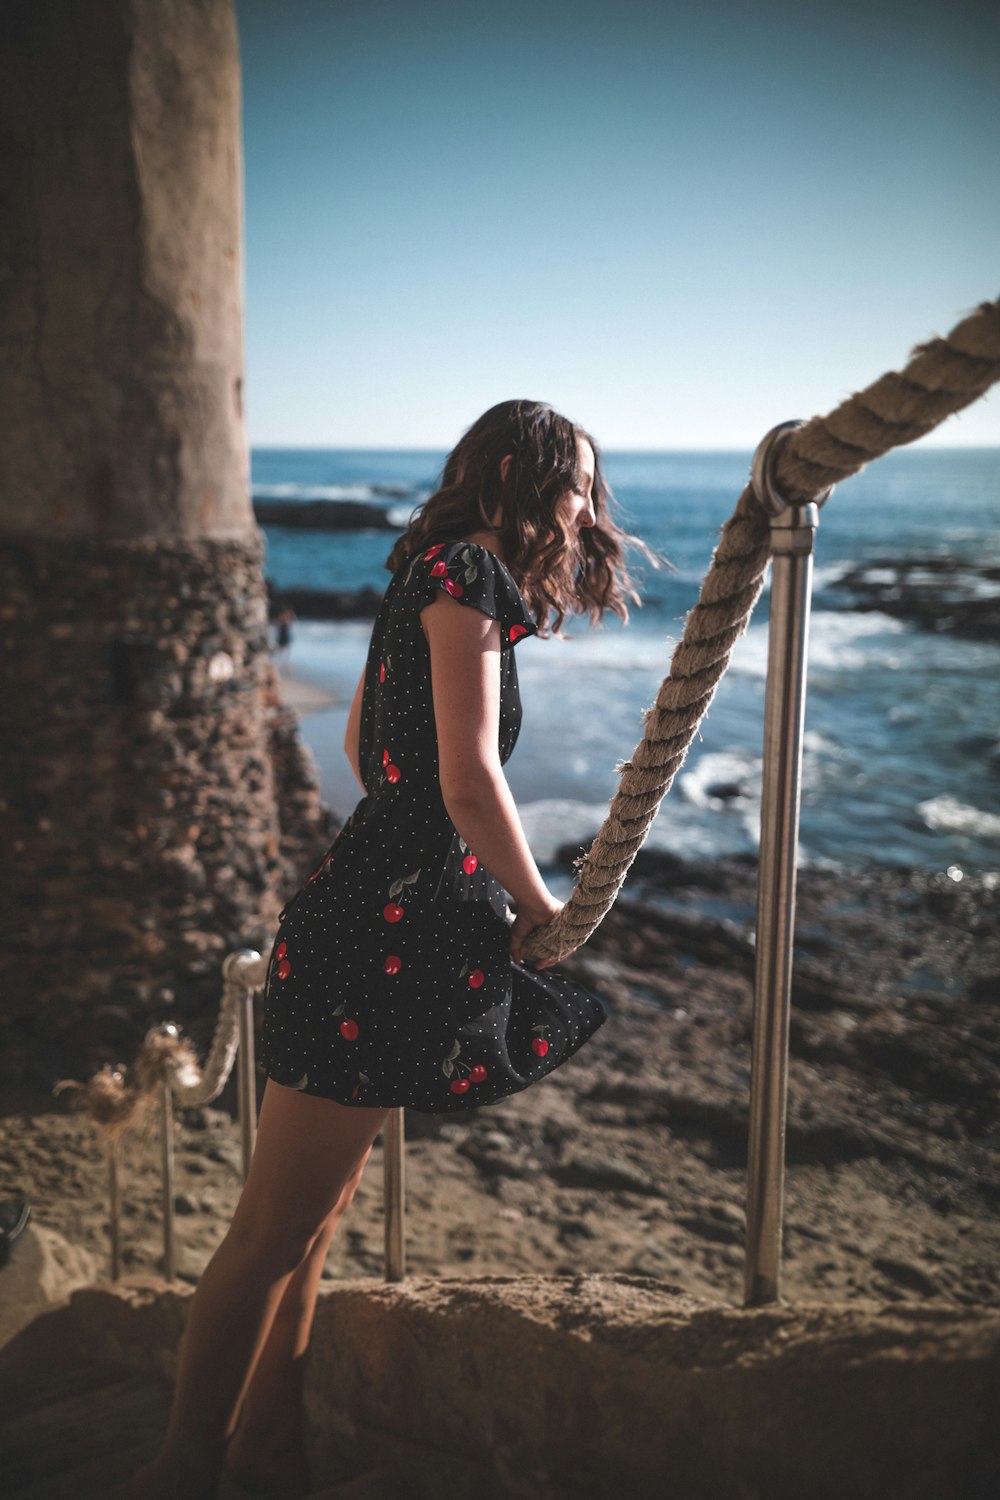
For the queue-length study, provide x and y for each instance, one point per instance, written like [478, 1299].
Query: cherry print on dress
[470, 861]
[475, 1073]
[464, 562]
[392, 911]
[516, 632]
[362, 1078]
[476, 976]
[393, 963]
[348, 1028]
[539, 1045]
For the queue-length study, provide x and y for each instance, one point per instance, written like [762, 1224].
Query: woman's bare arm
[465, 682]
[352, 734]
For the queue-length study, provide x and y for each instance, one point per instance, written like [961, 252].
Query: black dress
[390, 982]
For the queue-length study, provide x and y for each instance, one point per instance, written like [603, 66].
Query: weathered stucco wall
[121, 323]
[594, 1386]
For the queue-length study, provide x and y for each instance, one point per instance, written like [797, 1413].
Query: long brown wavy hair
[557, 573]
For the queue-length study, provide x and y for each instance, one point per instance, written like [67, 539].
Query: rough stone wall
[167, 805]
[585, 1387]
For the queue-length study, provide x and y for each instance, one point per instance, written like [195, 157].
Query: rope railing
[942, 376]
[166, 1072]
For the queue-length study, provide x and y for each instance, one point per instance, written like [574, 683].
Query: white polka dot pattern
[390, 981]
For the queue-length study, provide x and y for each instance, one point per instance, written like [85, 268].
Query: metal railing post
[793, 529]
[246, 1081]
[167, 1158]
[115, 1204]
[394, 1193]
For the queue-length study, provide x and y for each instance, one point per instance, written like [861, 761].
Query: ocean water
[902, 745]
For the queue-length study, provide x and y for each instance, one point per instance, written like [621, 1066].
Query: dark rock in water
[323, 515]
[939, 593]
[728, 791]
[325, 604]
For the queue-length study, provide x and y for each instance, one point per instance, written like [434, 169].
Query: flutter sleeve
[475, 576]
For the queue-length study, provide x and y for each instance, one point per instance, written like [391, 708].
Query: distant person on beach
[283, 634]
[396, 977]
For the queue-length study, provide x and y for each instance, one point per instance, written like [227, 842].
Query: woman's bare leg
[269, 1442]
[306, 1152]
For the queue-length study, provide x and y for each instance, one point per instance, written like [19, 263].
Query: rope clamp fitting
[762, 482]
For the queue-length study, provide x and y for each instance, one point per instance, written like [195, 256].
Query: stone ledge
[580, 1386]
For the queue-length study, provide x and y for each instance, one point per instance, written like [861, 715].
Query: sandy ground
[633, 1155]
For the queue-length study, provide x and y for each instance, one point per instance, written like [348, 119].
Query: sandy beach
[632, 1157]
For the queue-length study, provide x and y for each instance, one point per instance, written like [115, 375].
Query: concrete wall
[121, 320]
[157, 804]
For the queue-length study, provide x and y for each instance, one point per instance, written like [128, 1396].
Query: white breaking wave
[837, 643]
[732, 771]
[946, 814]
[314, 492]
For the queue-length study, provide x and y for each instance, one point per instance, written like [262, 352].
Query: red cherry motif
[433, 551]
[516, 632]
[478, 1073]
[281, 950]
[385, 757]
[381, 671]
[284, 969]
[455, 589]
[439, 568]
[349, 1029]
[469, 864]
[539, 1046]
[393, 963]
[392, 912]
[476, 978]
[392, 773]
[459, 1085]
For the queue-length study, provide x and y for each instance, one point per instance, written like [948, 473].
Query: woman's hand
[529, 918]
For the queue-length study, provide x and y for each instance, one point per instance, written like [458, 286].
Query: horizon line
[444, 448]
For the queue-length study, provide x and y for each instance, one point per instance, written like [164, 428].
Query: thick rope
[942, 377]
[117, 1101]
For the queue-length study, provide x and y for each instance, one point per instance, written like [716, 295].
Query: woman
[396, 976]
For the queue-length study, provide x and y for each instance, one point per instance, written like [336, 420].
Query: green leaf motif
[447, 1068]
[455, 1050]
[470, 574]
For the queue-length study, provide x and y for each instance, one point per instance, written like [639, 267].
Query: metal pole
[167, 1153]
[393, 1192]
[246, 1082]
[114, 1193]
[793, 529]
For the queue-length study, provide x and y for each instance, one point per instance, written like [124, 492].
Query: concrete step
[72, 1432]
[75, 1430]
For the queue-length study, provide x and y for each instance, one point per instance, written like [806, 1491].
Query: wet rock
[938, 593]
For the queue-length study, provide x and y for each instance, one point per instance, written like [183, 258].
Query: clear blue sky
[678, 223]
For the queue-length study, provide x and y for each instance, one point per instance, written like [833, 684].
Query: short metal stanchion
[115, 1204]
[793, 530]
[246, 1063]
[394, 1189]
[167, 1155]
